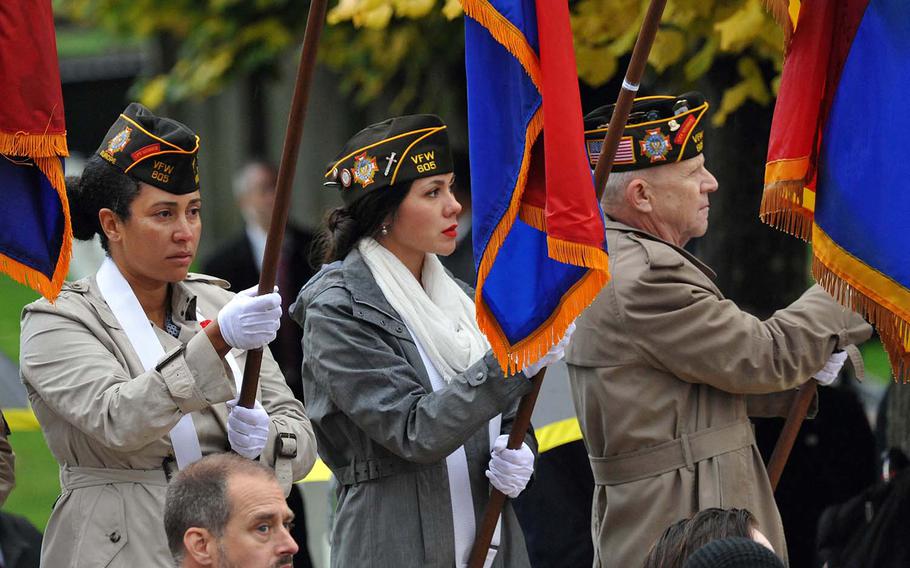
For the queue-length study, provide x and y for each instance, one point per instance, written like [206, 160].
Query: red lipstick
[452, 231]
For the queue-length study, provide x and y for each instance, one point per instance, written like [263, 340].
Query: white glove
[249, 321]
[827, 374]
[248, 428]
[555, 354]
[510, 470]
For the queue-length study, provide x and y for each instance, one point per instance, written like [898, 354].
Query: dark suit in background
[234, 261]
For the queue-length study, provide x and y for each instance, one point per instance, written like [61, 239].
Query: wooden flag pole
[798, 410]
[286, 170]
[497, 498]
[608, 152]
[627, 94]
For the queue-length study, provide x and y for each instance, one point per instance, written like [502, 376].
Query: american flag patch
[625, 154]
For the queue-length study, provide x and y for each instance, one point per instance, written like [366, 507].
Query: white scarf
[439, 313]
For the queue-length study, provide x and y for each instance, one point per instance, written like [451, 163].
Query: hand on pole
[510, 470]
[556, 353]
[248, 429]
[827, 374]
[249, 321]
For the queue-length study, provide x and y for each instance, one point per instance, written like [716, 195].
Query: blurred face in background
[257, 194]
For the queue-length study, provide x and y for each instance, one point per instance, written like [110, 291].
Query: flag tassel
[893, 330]
[783, 207]
[506, 34]
[27, 144]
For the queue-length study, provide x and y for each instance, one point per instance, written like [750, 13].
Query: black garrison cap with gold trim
[152, 149]
[394, 151]
[660, 130]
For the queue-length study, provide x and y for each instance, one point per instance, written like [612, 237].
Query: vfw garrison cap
[394, 151]
[152, 149]
[660, 130]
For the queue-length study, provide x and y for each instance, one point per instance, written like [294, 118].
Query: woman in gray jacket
[405, 397]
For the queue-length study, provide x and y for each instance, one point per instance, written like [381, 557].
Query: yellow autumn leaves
[693, 34]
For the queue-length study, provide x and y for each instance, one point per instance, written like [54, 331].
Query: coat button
[478, 376]
[114, 536]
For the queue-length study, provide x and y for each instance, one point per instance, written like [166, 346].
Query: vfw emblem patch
[119, 141]
[364, 169]
[656, 145]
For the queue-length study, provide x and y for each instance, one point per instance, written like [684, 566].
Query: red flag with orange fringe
[836, 174]
[35, 232]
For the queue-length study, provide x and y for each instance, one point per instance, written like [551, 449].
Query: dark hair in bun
[343, 227]
[101, 186]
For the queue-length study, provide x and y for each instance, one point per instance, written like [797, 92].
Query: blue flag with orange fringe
[537, 227]
[35, 232]
[835, 173]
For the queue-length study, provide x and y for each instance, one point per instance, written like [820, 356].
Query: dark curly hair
[343, 227]
[100, 186]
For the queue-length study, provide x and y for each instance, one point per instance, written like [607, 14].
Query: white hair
[615, 188]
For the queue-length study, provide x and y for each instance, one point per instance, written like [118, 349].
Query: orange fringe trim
[49, 288]
[533, 216]
[513, 358]
[33, 145]
[506, 34]
[879, 299]
[782, 208]
[780, 11]
[485, 320]
[589, 256]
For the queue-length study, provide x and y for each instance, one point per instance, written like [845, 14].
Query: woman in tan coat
[128, 372]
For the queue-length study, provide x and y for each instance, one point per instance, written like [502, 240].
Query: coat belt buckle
[287, 445]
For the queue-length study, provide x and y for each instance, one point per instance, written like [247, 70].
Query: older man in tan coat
[664, 371]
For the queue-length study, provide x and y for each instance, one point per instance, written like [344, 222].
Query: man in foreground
[225, 511]
[662, 366]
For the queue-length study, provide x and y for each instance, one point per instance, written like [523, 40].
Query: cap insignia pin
[655, 145]
[364, 169]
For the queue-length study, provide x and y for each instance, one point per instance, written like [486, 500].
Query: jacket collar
[617, 226]
[362, 286]
[183, 301]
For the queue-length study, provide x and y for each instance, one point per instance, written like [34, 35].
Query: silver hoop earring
[384, 230]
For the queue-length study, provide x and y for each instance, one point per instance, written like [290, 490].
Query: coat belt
[359, 471]
[80, 477]
[682, 452]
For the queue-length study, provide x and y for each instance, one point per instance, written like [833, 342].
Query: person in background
[20, 541]
[733, 552]
[664, 370]
[228, 512]
[684, 537]
[239, 261]
[134, 372]
[410, 406]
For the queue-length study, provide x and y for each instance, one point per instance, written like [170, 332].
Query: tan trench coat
[661, 367]
[106, 420]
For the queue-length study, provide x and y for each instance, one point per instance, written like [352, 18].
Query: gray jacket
[385, 433]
